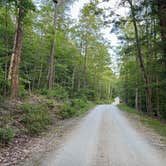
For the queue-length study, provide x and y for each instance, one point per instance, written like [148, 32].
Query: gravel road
[105, 137]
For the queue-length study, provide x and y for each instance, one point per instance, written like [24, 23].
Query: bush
[36, 117]
[22, 92]
[78, 103]
[73, 108]
[6, 135]
[50, 104]
[42, 91]
[58, 92]
[66, 111]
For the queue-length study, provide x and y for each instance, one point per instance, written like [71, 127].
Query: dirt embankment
[11, 116]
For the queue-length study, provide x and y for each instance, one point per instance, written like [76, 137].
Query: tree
[148, 40]
[162, 18]
[23, 7]
[144, 73]
[51, 65]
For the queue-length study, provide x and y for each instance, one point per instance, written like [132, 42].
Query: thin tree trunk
[156, 77]
[73, 79]
[40, 74]
[7, 51]
[157, 97]
[137, 89]
[111, 91]
[162, 18]
[12, 58]
[15, 59]
[140, 58]
[52, 52]
[85, 64]
[136, 98]
[78, 83]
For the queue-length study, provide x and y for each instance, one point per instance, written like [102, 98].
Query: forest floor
[30, 148]
[25, 143]
[105, 136]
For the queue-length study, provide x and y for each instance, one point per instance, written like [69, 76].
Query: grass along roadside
[74, 108]
[156, 124]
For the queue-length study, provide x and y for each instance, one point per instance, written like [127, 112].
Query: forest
[47, 50]
[46, 54]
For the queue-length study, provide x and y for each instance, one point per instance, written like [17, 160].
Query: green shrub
[66, 111]
[6, 135]
[50, 104]
[22, 92]
[42, 91]
[57, 92]
[73, 108]
[104, 101]
[78, 103]
[36, 117]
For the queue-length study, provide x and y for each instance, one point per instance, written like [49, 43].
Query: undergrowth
[36, 117]
[74, 107]
[156, 124]
[6, 135]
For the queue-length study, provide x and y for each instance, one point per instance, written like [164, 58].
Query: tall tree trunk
[162, 18]
[137, 89]
[15, 59]
[78, 84]
[40, 75]
[73, 81]
[140, 58]
[136, 98]
[12, 57]
[157, 97]
[85, 65]
[52, 52]
[7, 50]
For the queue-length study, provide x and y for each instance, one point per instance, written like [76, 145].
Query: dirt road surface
[105, 137]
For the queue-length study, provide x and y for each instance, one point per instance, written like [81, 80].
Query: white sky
[75, 11]
[78, 5]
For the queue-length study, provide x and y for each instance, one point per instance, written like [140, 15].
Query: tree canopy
[42, 48]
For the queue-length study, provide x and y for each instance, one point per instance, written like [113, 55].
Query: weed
[36, 117]
[6, 135]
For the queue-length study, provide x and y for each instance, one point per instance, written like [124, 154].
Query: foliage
[36, 117]
[126, 108]
[57, 92]
[23, 93]
[78, 103]
[6, 135]
[75, 107]
[74, 75]
[132, 85]
[66, 111]
[50, 104]
[82, 62]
